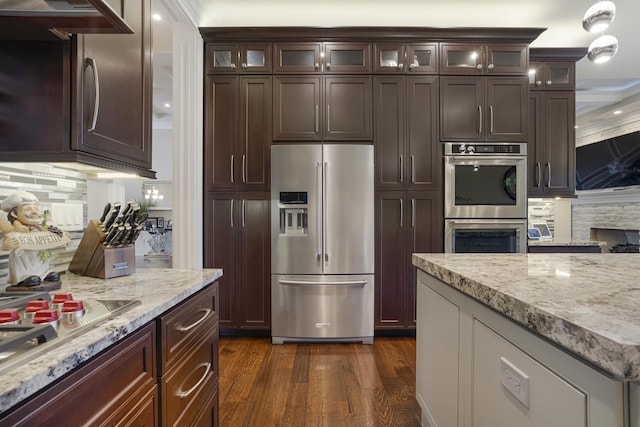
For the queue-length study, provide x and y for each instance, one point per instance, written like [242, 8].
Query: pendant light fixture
[599, 16]
[597, 19]
[602, 49]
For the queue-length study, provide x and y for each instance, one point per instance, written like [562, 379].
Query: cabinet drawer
[193, 381]
[195, 317]
[118, 379]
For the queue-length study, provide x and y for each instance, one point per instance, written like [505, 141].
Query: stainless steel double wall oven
[485, 197]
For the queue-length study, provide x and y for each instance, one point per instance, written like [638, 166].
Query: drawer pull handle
[183, 394]
[206, 312]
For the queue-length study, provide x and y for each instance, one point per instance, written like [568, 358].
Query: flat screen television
[611, 163]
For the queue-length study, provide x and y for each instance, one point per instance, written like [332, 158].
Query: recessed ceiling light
[166, 104]
[617, 112]
[575, 127]
[156, 17]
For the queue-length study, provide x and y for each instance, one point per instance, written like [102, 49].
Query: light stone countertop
[158, 290]
[588, 304]
[565, 243]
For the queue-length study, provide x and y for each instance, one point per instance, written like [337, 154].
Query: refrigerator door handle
[358, 283]
[319, 189]
[326, 211]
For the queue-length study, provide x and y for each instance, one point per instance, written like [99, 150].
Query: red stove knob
[72, 306]
[35, 305]
[60, 298]
[9, 316]
[45, 316]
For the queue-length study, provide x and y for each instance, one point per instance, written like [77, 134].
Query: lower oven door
[485, 187]
[485, 235]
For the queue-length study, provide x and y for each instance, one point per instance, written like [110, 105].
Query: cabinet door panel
[115, 108]
[390, 265]
[535, 146]
[424, 158]
[347, 57]
[220, 137]
[389, 58]
[254, 298]
[507, 109]
[461, 108]
[348, 108]
[297, 57]
[220, 250]
[221, 58]
[422, 58]
[507, 59]
[389, 134]
[297, 111]
[559, 137]
[255, 132]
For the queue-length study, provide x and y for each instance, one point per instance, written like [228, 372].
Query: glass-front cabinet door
[389, 58]
[468, 58]
[347, 57]
[507, 59]
[238, 58]
[552, 75]
[422, 58]
[297, 58]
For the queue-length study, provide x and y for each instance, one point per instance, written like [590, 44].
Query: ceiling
[599, 87]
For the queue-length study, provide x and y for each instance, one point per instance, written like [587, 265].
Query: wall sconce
[597, 19]
[599, 16]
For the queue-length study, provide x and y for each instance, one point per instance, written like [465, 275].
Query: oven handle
[479, 118]
[453, 222]
[476, 157]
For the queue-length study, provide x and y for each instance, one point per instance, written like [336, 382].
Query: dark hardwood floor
[317, 385]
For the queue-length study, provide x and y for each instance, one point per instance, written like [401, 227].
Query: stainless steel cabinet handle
[538, 175]
[548, 174]
[232, 167]
[490, 66]
[319, 213]
[96, 103]
[207, 366]
[412, 171]
[401, 169]
[401, 213]
[233, 66]
[243, 213]
[413, 212]
[479, 67]
[400, 66]
[538, 82]
[244, 176]
[328, 118]
[328, 66]
[231, 213]
[549, 82]
[491, 118]
[317, 117]
[317, 66]
[479, 118]
[310, 283]
[205, 311]
[244, 65]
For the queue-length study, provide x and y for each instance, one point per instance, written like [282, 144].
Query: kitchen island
[159, 292]
[528, 339]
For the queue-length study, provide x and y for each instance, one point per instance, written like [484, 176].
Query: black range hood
[58, 19]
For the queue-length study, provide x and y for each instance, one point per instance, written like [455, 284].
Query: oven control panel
[485, 148]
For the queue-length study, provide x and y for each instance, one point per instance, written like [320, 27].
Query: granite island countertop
[158, 290]
[533, 242]
[587, 304]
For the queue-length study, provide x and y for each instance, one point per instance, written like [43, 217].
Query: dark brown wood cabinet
[246, 58]
[551, 142]
[408, 153]
[400, 58]
[479, 59]
[238, 239]
[406, 222]
[237, 132]
[87, 99]
[93, 395]
[316, 108]
[483, 108]
[319, 57]
[551, 146]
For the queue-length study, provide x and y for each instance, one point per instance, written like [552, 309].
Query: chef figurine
[29, 238]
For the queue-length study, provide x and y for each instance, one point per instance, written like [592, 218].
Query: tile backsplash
[60, 190]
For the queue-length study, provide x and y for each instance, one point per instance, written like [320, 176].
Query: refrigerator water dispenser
[293, 217]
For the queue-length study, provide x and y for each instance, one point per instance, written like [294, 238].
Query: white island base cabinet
[476, 368]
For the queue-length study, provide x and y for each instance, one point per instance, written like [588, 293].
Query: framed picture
[160, 222]
[151, 223]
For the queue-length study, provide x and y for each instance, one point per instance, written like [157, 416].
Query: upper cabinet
[85, 100]
[552, 76]
[47, 20]
[400, 58]
[250, 58]
[317, 57]
[468, 58]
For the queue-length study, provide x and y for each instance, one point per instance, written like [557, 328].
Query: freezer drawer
[322, 308]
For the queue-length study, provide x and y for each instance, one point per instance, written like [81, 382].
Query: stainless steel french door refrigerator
[322, 241]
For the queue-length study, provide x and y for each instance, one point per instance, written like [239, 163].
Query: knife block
[93, 259]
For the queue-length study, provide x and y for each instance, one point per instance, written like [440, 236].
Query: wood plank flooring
[317, 385]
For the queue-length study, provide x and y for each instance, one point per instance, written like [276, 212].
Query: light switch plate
[514, 380]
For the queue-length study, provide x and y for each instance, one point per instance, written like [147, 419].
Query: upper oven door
[485, 186]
